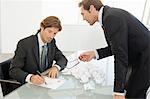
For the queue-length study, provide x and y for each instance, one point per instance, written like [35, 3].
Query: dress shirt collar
[100, 15]
[41, 43]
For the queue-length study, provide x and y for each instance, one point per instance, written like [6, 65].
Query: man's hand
[53, 72]
[36, 79]
[118, 97]
[87, 56]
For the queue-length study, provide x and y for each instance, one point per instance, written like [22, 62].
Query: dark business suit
[129, 41]
[26, 59]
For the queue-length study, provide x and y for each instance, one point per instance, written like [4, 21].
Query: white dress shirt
[100, 21]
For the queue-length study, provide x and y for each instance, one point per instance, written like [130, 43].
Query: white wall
[80, 37]
[18, 20]
[135, 7]
[66, 10]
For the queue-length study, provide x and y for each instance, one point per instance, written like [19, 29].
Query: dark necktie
[44, 58]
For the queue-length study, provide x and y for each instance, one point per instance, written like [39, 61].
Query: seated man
[37, 53]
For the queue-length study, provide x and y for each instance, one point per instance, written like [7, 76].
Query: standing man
[128, 40]
[37, 53]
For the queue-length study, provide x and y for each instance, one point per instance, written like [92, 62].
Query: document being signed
[51, 83]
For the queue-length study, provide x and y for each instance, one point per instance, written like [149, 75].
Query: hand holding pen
[41, 76]
[37, 79]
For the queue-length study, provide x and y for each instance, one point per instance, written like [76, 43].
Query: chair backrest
[7, 87]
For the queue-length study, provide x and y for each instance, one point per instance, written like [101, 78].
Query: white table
[71, 89]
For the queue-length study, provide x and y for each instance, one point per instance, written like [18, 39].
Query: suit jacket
[129, 41]
[26, 59]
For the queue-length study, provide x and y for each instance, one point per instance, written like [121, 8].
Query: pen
[41, 76]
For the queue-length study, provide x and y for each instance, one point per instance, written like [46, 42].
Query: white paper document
[51, 83]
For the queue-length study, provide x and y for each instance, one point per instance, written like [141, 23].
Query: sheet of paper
[51, 83]
[72, 60]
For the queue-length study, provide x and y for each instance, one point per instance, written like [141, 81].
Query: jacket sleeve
[104, 52]
[59, 57]
[17, 64]
[116, 30]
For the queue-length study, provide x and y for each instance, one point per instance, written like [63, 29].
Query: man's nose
[53, 35]
[84, 18]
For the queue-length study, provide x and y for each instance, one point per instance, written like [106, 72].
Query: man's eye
[49, 31]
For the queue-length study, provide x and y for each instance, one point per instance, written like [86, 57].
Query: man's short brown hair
[51, 21]
[86, 4]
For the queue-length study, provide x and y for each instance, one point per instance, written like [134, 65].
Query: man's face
[48, 34]
[88, 16]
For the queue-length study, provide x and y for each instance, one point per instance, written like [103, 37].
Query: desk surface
[71, 89]
[5, 56]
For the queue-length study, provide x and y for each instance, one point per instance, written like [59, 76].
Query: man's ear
[92, 8]
[42, 28]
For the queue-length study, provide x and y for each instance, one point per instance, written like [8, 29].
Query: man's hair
[51, 21]
[86, 4]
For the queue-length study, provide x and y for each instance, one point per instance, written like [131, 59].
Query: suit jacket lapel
[103, 18]
[49, 52]
[36, 49]
[103, 15]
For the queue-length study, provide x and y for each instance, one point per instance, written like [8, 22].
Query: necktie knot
[44, 46]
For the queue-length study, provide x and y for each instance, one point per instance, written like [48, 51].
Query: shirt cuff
[117, 93]
[28, 78]
[96, 54]
[57, 66]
